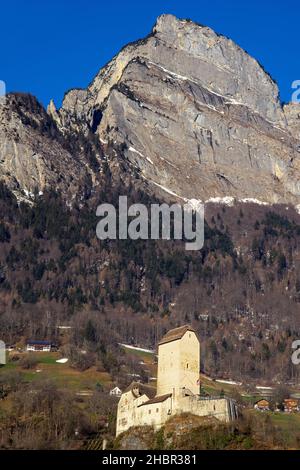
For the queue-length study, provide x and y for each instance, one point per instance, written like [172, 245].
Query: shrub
[29, 361]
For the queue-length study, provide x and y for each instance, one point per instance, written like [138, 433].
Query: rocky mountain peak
[218, 63]
[196, 115]
[186, 108]
[195, 53]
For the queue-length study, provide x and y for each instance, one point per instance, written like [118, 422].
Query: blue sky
[48, 47]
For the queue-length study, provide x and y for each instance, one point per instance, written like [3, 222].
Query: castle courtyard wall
[217, 407]
[155, 414]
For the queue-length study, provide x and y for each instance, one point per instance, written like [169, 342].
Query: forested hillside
[241, 291]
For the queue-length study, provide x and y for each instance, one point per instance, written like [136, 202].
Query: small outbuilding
[38, 346]
[291, 405]
[115, 392]
[262, 405]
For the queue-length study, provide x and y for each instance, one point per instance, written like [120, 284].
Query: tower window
[187, 365]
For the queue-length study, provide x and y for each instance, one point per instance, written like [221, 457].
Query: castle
[178, 387]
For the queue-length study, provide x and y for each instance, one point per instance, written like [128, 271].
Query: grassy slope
[63, 375]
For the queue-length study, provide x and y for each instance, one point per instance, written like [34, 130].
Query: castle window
[187, 365]
[157, 410]
[149, 412]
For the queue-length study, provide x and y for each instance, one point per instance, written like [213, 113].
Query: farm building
[115, 392]
[291, 405]
[34, 345]
[262, 405]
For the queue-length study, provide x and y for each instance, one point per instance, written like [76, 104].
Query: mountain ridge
[185, 108]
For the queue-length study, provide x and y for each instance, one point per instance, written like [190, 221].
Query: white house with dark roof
[178, 387]
[38, 346]
[115, 392]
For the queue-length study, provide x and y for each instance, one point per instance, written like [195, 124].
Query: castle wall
[217, 407]
[167, 369]
[189, 362]
[128, 414]
[155, 414]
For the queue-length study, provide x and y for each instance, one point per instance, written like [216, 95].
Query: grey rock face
[191, 112]
[197, 115]
[74, 112]
[292, 115]
[32, 156]
[196, 143]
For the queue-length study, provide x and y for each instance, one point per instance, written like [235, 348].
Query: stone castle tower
[178, 362]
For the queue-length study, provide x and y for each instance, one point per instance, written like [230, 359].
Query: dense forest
[241, 291]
